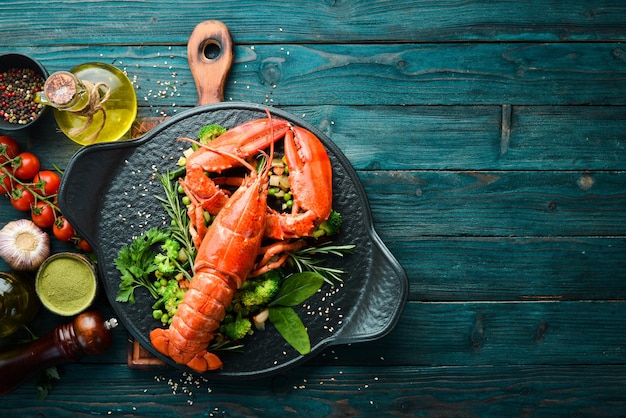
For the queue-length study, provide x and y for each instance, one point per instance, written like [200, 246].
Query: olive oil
[18, 302]
[113, 110]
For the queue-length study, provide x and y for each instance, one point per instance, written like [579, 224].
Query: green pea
[157, 314]
[186, 201]
[272, 191]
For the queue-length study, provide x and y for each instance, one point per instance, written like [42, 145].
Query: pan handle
[210, 55]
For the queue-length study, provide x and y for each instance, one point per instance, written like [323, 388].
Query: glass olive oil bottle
[18, 302]
[93, 102]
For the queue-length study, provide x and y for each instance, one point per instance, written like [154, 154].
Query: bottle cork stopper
[60, 88]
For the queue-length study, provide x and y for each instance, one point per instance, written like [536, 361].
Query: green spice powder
[66, 286]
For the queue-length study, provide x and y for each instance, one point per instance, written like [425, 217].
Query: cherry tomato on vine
[22, 199]
[62, 229]
[10, 147]
[47, 181]
[26, 165]
[42, 214]
[84, 245]
[6, 185]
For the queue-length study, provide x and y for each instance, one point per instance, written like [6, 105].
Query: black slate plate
[107, 194]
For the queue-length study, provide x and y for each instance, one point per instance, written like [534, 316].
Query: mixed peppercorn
[18, 88]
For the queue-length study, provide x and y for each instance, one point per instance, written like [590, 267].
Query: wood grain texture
[537, 391]
[378, 74]
[326, 21]
[489, 137]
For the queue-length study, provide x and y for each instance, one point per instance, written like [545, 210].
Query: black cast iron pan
[107, 194]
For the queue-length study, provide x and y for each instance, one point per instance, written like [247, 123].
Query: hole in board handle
[211, 49]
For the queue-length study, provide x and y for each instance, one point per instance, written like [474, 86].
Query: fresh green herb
[45, 382]
[180, 220]
[296, 288]
[136, 262]
[304, 260]
[290, 326]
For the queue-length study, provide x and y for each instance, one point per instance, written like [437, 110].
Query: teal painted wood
[353, 21]
[547, 138]
[538, 391]
[513, 269]
[516, 203]
[489, 138]
[552, 138]
[376, 74]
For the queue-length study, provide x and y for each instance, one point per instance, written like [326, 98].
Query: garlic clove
[23, 245]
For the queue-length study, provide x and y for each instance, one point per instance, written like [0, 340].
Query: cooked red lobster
[229, 248]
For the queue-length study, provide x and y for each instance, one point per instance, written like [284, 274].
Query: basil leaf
[289, 325]
[297, 288]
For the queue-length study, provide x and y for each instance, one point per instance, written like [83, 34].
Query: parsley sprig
[136, 262]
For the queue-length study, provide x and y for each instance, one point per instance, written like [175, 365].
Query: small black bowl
[20, 61]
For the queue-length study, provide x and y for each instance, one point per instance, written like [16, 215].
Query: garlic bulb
[23, 245]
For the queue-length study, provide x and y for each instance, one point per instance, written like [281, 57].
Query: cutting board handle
[210, 55]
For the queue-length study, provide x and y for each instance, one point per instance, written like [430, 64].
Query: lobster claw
[310, 178]
[223, 153]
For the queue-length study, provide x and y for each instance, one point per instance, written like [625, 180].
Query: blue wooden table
[490, 138]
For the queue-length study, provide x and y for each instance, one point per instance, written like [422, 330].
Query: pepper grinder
[88, 334]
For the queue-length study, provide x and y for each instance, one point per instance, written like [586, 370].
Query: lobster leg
[310, 177]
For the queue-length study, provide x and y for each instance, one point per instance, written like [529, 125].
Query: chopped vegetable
[167, 263]
[330, 226]
[238, 328]
[259, 292]
[208, 133]
[171, 295]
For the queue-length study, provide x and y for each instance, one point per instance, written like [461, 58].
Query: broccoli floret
[171, 296]
[261, 291]
[171, 247]
[208, 133]
[330, 226]
[164, 264]
[238, 329]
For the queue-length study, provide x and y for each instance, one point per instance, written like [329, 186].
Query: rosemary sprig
[178, 213]
[304, 260]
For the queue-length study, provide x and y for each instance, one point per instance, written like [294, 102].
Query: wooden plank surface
[489, 137]
[274, 21]
[330, 391]
[379, 74]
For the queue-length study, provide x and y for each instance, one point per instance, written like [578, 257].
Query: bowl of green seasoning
[66, 283]
[21, 77]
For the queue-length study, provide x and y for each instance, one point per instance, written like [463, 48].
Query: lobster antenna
[237, 158]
